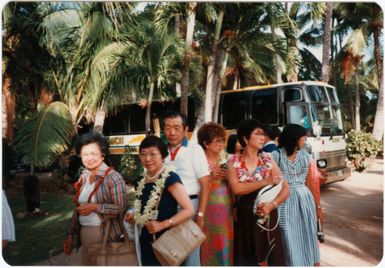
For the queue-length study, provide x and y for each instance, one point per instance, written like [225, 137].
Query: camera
[320, 232]
[223, 165]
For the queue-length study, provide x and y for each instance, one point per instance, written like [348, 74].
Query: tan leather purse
[177, 243]
[113, 253]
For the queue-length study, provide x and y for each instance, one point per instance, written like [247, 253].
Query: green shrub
[130, 167]
[361, 145]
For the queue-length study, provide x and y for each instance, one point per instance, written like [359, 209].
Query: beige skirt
[89, 235]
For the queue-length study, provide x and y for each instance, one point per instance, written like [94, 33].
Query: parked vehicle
[314, 105]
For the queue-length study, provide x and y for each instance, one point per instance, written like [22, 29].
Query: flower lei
[149, 211]
[259, 173]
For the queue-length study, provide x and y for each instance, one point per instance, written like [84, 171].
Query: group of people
[184, 180]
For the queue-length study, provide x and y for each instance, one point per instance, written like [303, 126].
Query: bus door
[298, 113]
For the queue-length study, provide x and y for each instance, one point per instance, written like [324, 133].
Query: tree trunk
[351, 107]
[326, 42]
[213, 70]
[9, 109]
[187, 57]
[236, 82]
[218, 90]
[357, 117]
[100, 116]
[148, 110]
[378, 127]
[277, 60]
[209, 92]
[199, 122]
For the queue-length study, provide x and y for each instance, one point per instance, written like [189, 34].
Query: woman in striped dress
[298, 215]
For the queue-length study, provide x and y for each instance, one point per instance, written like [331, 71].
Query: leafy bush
[361, 145]
[130, 166]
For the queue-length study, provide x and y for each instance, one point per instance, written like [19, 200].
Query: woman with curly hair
[217, 250]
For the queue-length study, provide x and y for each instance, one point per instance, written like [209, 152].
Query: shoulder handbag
[113, 253]
[177, 243]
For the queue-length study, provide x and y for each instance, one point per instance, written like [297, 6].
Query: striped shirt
[110, 197]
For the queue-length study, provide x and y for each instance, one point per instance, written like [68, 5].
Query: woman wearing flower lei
[158, 193]
[247, 174]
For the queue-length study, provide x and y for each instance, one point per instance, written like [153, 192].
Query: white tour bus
[314, 105]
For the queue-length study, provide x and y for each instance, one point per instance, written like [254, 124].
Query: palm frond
[46, 136]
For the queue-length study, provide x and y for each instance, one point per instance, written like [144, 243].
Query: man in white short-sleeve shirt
[190, 163]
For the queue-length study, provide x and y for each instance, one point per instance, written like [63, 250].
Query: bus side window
[116, 124]
[264, 106]
[292, 94]
[234, 108]
[137, 119]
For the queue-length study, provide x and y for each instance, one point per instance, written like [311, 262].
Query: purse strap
[157, 206]
[108, 228]
[78, 186]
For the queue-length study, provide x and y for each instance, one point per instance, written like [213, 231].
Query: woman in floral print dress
[217, 250]
[248, 173]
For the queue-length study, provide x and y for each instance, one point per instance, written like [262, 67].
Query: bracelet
[275, 204]
[170, 222]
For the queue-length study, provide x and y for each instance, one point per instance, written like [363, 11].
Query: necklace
[153, 178]
[149, 211]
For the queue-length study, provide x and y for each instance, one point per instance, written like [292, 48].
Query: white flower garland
[149, 212]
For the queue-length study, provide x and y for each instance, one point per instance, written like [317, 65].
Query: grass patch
[36, 236]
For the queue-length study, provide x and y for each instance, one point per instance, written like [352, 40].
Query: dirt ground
[353, 225]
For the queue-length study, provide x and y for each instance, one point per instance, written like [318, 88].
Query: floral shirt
[262, 170]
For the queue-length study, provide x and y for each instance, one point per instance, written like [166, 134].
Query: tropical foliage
[360, 146]
[94, 56]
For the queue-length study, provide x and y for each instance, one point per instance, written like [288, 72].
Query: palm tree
[305, 32]
[367, 21]
[326, 42]
[191, 11]
[153, 59]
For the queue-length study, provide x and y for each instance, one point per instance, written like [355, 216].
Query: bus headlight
[322, 163]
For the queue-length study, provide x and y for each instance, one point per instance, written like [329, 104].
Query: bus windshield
[325, 111]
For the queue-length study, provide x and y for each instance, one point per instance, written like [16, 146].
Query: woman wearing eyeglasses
[217, 249]
[159, 192]
[101, 195]
[257, 241]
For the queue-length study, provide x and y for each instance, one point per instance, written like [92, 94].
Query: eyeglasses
[176, 128]
[259, 133]
[90, 155]
[151, 155]
[219, 141]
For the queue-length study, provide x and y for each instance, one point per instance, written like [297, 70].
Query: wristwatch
[200, 214]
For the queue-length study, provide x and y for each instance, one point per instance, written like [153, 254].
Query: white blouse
[92, 219]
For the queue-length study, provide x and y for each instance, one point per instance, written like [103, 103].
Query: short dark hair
[272, 132]
[174, 114]
[209, 131]
[154, 141]
[245, 128]
[93, 137]
[231, 143]
[290, 137]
